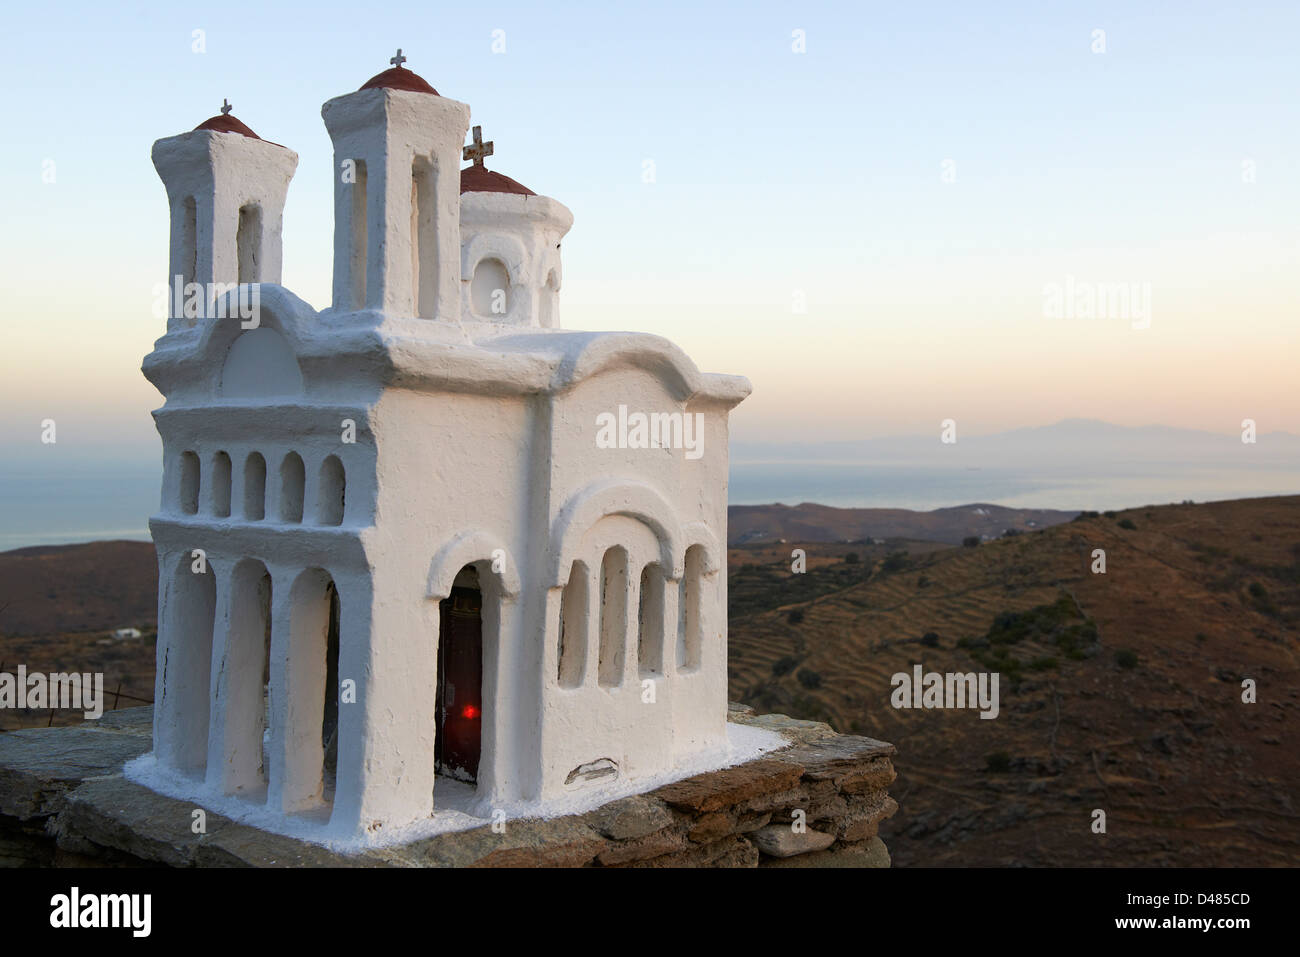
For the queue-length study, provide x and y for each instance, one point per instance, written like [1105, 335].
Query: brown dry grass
[1187, 774]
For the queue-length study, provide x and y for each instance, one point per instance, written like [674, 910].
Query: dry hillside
[1120, 691]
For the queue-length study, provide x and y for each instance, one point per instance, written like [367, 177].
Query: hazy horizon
[1069, 465]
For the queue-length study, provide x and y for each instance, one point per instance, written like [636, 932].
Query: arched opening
[189, 500]
[329, 730]
[189, 255]
[650, 622]
[358, 254]
[246, 676]
[548, 302]
[221, 485]
[459, 699]
[424, 240]
[255, 487]
[613, 617]
[490, 289]
[292, 481]
[333, 490]
[690, 611]
[248, 243]
[310, 711]
[186, 667]
[574, 602]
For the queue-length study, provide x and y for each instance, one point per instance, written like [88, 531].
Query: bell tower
[397, 148]
[226, 187]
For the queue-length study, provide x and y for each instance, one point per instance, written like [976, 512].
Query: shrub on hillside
[809, 679]
[783, 666]
[895, 561]
[999, 762]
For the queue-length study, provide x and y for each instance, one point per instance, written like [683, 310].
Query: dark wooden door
[460, 685]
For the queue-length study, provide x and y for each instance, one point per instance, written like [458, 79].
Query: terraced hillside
[1120, 691]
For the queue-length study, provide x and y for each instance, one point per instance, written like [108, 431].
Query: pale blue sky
[776, 173]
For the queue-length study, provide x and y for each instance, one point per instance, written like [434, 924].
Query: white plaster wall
[455, 468]
[689, 497]
[595, 721]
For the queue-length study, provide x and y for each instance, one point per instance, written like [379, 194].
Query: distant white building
[424, 531]
[121, 633]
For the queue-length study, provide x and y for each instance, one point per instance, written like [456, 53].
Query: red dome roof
[399, 79]
[480, 179]
[225, 123]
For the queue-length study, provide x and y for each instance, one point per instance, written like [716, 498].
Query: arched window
[186, 668]
[650, 622]
[189, 500]
[243, 680]
[221, 485]
[189, 256]
[424, 240]
[613, 617]
[255, 487]
[248, 243]
[574, 604]
[333, 490]
[358, 252]
[690, 611]
[309, 737]
[292, 480]
[490, 290]
[548, 303]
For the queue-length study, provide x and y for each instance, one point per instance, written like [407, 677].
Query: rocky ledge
[816, 803]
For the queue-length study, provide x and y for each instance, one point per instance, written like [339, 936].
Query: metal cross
[398, 60]
[225, 106]
[479, 149]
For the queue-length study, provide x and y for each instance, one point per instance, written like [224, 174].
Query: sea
[94, 503]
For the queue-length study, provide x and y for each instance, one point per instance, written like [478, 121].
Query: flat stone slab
[126, 720]
[793, 729]
[39, 766]
[782, 840]
[115, 813]
[67, 783]
[629, 817]
[559, 842]
[718, 789]
[871, 854]
[830, 756]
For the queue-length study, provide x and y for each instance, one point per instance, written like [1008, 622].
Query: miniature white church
[397, 544]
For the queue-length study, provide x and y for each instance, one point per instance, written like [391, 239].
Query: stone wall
[816, 803]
